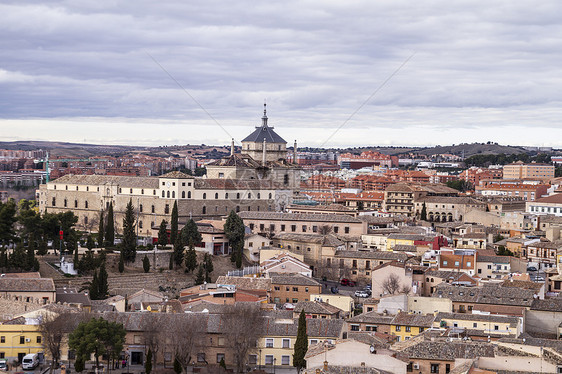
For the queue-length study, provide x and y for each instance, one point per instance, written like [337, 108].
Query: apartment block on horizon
[528, 191]
[520, 170]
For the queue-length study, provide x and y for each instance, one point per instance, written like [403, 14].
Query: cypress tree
[177, 366]
[103, 287]
[129, 244]
[423, 215]
[42, 249]
[148, 363]
[235, 231]
[30, 252]
[178, 251]
[200, 278]
[301, 344]
[110, 227]
[171, 263]
[76, 259]
[146, 264]
[174, 223]
[101, 230]
[94, 287]
[163, 235]
[191, 260]
[90, 243]
[121, 266]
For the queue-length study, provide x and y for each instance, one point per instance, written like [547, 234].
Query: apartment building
[512, 188]
[520, 170]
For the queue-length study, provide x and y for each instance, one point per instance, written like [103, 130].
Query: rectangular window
[295, 289]
[286, 343]
[398, 328]
[303, 228]
[2, 339]
[408, 329]
[220, 357]
[282, 227]
[22, 339]
[269, 359]
[220, 341]
[268, 343]
[315, 341]
[201, 357]
[293, 228]
[39, 339]
[434, 368]
[253, 359]
[285, 360]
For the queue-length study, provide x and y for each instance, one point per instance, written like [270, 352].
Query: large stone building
[238, 182]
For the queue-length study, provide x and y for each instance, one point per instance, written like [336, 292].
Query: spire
[264, 118]
[232, 147]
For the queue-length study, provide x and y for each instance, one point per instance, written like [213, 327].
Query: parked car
[361, 293]
[334, 289]
[347, 282]
[531, 268]
[368, 287]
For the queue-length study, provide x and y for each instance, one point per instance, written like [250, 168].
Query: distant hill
[457, 149]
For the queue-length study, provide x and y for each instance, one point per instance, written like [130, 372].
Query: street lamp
[259, 363]
[274, 360]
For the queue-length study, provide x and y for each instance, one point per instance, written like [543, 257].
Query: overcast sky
[413, 72]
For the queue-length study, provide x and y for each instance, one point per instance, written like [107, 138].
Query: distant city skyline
[140, 73]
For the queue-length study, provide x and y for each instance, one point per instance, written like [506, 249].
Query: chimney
[232, 147]
[263, 157]
[295, 153]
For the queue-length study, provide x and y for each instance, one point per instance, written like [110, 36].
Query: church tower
[264, 144]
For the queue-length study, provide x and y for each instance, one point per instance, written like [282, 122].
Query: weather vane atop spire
[264, 118]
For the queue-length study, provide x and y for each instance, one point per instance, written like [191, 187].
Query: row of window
[252, 359]
[304, 228]
[287, 288]
[23, 339]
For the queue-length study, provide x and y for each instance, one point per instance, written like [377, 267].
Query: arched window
[140, 208]
[189, 194]
[54, 202]
[168, 194]
[86, 204]
[131, 191]
[163, 193]
[86, 220]
[173, 194]
[226, 195]
[65, 203]
[76, 188]
[216, 195]
[140, 224]
[249, 195]
[142, 191]
[204, 209]
[183, 194]
[249, 208]
[204, 195]
[238, 196]
[237, 208]
[270, 196]
[76, 203]
[153, 209]
[259, 195]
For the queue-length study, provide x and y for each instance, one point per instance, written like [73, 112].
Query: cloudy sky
[384, 72]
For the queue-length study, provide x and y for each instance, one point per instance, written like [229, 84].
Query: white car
[361, 294]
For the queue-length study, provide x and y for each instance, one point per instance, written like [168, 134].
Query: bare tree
[154, 333]
[325, 230]
[55, 324]
[391, 284]
[183, 332]
[243, 326]
[405, 289]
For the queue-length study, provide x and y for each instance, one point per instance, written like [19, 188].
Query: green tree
[301, 344]
[208, 266]
[103, 286]
[423, 215]
[235, 231]
[42, 250]
[98, 337]
[174, 223]
[7, 220]
[76, 259]
[222, 364]
[163, 234]
[178, 252]
[200, 278]
[94, 287]
[18, 258]
[129, 244]
[148, 362]
[121, 265]
[101, 230]
[30, 252]
[110, 227]
[146, 264]
[190, 234]
[79, 364]
[90, 243]
[171, 262]
[177, 366]
[191, 260]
